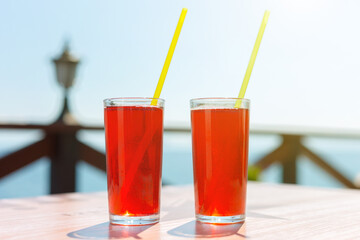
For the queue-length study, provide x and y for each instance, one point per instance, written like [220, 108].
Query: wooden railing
[61, 146]
[292, 147]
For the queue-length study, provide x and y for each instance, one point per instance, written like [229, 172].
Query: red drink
[134, 159]
[220, 155]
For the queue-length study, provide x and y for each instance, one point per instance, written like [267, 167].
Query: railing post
[292, 144]
[63, 162]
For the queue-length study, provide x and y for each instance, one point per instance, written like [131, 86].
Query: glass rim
[219, 98]
[133, 101]
[133, 98]
[219, 102]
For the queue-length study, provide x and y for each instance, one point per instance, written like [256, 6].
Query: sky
[306, 72]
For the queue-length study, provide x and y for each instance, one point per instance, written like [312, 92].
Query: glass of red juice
[134, 137]
[220, 139]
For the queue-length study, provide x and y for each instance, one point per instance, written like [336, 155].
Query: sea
[33, 180]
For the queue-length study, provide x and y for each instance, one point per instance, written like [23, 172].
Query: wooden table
[274, 212]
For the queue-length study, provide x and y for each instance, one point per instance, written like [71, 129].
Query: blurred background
[304, 90]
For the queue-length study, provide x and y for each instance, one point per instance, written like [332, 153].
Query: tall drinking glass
[134, 136]
[220, 139]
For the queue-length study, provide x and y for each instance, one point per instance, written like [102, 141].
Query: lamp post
[65, 67]
[66, 148]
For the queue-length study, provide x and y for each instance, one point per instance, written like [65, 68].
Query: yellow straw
[252, 59]
[169, 56]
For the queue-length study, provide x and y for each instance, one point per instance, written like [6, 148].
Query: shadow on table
[107, 230]
[195, 229]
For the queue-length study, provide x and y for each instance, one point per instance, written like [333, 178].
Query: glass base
[220, 220]
[127, 220]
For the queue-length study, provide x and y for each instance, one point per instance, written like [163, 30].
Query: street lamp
[65, 67]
